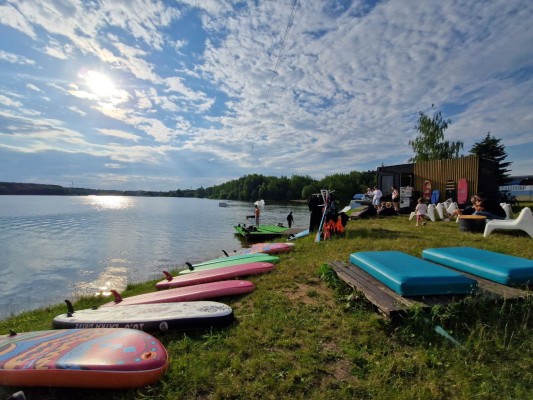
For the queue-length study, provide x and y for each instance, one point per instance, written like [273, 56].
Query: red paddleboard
[189, 293]
[214, 275]
[427, 190]
[82, 358]
[267, 248]
[462, 191]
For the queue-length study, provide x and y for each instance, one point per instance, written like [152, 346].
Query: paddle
[325, 198]
[319, 232]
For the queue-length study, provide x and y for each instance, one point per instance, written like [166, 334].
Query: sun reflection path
[109, 202]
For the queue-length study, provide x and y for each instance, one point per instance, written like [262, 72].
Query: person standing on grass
[290, 219]
[257, 213]
[376, 197]
[421, 210]
[396, 198]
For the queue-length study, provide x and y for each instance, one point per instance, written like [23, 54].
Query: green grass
[303, 334]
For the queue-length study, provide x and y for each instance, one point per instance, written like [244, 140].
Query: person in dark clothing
[490, 208]
[316, 213]
[483, 205]
[290, 219]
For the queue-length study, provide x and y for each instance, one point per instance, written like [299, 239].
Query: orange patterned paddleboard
[96, 358]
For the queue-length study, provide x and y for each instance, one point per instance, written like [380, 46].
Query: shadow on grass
[473, 322]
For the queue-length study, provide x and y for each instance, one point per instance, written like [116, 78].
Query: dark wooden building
[480, 173]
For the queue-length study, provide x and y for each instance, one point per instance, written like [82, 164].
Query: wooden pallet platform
[392, 305]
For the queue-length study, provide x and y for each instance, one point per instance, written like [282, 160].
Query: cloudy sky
[160, 95]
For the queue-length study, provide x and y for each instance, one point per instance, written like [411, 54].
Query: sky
[166, 95]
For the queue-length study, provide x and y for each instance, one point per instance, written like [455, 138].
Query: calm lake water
[56, 247]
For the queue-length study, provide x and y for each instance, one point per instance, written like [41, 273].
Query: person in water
[290, 219]
[257, 213]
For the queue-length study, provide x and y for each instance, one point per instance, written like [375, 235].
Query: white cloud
[15, 58]
[58, 50]
[6, 101]
[31, 86]
[142, 19]
[113, 166]
[10, 16]
[77, 110]
[119, 134]
[155, 128]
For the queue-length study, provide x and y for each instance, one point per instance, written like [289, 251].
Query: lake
[58, 247]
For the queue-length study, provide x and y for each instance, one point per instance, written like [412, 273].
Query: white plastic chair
[431, 212]
[452, 207]
[524, 222]
[440, 210]
[508, 210]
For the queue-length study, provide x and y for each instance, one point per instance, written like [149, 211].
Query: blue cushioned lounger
[496, 267]
[411, 276]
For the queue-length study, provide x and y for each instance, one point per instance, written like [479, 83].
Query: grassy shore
[303, 334]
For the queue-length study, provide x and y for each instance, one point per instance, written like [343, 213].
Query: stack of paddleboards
[108, 347]
[267, 248]
[183, 305]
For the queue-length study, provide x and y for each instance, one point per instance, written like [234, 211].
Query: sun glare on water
[109, 202]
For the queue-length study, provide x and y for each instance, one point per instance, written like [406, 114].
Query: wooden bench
[392, 305]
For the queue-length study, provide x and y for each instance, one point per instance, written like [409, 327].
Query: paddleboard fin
[12, 333]
[168, 277]
[70, 308]
[190, 266]
[226, 254]
[17, 396]
[118, 297]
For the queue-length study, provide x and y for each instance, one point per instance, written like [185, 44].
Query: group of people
[483, 205]
[377, 194]
[335, 223]
[480, 205]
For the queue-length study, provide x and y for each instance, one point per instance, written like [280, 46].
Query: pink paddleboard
[267, 248]
[462, 191]
[427, 190]
[189, 293]
[214, 275]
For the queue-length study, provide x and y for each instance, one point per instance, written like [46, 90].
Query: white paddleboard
[149, 317]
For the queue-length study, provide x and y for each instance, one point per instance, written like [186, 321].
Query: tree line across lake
[247, 188]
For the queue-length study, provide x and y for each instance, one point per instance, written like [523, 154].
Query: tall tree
[430, 143]
[491, 149]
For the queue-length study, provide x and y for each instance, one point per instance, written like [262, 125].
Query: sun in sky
[99, 84]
